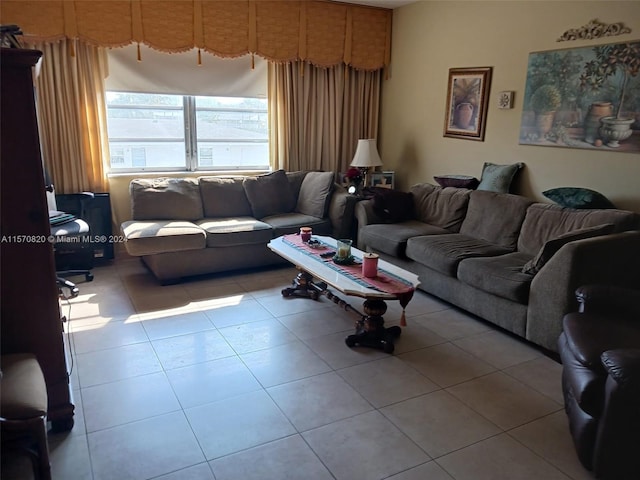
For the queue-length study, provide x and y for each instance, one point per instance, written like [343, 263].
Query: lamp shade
[366, 154]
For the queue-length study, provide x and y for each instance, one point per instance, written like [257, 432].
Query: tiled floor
[222, 378]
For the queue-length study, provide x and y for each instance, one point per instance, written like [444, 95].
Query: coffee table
[318, 273]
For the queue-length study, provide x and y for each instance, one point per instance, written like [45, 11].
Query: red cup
[370, 265]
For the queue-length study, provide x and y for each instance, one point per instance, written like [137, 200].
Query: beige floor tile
[332, 349]
[238, 423]
[503, 400]
[288, 458]
[144, 449]
[173, 325]
[386, 381]
[421, 304]
[426, 471]
[104, 366]
[247, 310]
[69, 457]
[177, 301]
[250, 337]
[279, 306]
[114, 334]
[198, 347]
[284, 363]
[364, 447]
[439, 423]
[128, 400]
[202, 294]
[211, 381]
[451, 323]
[541, 374]
[498, 349]
[99, 304]
[318, 400]
[446, 364]
[319, 322]
[498, 458]
[415, 337]
[202, 471]
[549, 437]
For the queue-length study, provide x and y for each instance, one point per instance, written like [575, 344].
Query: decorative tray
[344, 261]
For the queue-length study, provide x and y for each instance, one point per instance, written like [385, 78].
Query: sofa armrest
[610, 299]
[623, 365]
[365, 215]
[608, 259]
[341, 211]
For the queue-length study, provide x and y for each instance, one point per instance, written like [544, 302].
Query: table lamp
[366, 157]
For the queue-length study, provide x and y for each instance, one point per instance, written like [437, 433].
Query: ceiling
[381, 3]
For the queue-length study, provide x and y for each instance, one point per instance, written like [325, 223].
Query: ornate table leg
[302, 286]
[370, 330]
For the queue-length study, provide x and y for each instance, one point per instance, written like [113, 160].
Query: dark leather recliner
[600, 353]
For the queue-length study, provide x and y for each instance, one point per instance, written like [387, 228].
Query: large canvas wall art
[586, 97]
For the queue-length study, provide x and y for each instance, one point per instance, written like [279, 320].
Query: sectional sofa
[190, 226]
[503, 257]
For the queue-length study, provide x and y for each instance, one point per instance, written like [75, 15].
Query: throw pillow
[315, 194]
[575, 197]
[549, 249]
[269, 194]
[498, 178]
[165, 199]
[224, 197]
[392, 205]
[457, 181]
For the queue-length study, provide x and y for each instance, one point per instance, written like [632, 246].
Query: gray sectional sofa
[503, 257]
[186, 226]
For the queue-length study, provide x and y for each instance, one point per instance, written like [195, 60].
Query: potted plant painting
[610, 60]
[545, 101]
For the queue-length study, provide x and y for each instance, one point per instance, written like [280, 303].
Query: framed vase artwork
[585, 97]
[383, 179]
[467, 102]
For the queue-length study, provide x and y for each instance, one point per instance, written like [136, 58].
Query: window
[176, 132]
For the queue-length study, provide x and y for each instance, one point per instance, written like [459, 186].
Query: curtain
[317, 115]
[72, 115]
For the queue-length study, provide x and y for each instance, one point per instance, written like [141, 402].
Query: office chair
[73, 254]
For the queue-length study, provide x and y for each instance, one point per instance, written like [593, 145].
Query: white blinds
[179, 73]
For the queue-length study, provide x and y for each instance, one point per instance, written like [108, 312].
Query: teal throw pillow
[576, 197]
[498, 178]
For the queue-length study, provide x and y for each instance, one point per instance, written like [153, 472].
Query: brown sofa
[183, 226]
[503, 257]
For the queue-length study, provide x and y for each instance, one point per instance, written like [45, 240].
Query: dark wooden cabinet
[29, 306]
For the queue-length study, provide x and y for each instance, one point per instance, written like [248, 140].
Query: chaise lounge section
[503, 257]
[183, 226]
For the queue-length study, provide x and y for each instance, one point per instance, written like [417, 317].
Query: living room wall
[430, 37]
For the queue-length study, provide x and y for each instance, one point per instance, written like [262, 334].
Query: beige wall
[429, 37]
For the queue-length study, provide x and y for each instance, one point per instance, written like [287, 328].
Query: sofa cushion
[392, 238]
[498, 178]
[224, 197]
[544, 221]
[149, 237]
[495, 217]
[165, 199]
[550, 248]
[226, 232]
[295, 181]
[391, 205]
[291, 222]
[269, 194]
[315, 194]
[443, 253]
[442, 207]
[501, 275]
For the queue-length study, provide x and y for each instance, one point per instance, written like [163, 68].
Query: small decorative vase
[592, 122]
[464, 114]
[614, 130]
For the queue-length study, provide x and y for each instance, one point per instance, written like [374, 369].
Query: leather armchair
[600, 353]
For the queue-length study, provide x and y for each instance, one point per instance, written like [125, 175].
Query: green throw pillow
[498, 178]
[576, 197]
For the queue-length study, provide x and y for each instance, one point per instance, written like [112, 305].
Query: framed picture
[383, 179]
[584, 97]
[467, 101]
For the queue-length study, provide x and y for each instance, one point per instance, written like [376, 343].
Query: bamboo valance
[321, 32]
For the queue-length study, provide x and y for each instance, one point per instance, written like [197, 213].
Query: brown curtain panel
[317, 115]
[72, 115]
